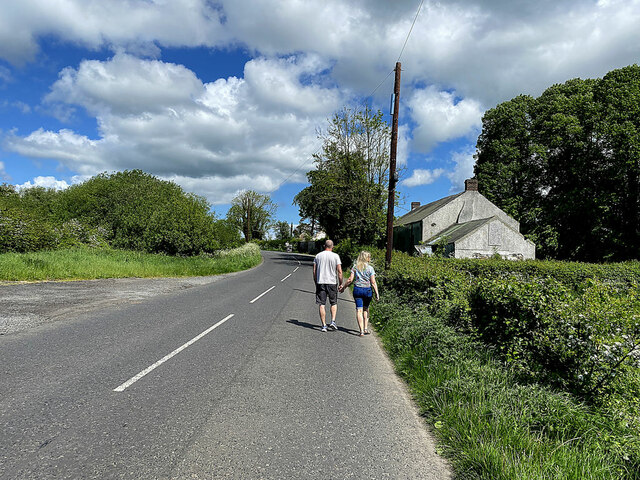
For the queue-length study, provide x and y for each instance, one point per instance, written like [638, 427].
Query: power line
[410, 30]
[306, 161]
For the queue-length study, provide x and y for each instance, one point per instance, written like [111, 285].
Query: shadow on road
[298, 323]
[317, 326]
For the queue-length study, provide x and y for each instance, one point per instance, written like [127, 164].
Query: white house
[465, 225]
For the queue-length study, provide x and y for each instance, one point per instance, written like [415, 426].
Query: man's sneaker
[324, 329]
[333, 326]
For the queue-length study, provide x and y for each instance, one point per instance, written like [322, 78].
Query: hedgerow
[568, 328]
[571, 324]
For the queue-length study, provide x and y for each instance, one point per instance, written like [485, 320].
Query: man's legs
[334, 311]
[323, 315]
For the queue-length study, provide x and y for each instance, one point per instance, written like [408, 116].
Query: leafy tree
[618, 93]
[282, 230]
[303, 230]
[252, 213]
[347, 192]
[566, 164]
[226, 233]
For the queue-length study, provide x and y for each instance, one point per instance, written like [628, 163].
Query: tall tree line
[567, 166]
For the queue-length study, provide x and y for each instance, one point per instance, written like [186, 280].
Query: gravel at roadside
[25, 305]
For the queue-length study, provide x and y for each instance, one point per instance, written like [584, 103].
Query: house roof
[419, 213]
[459, 230]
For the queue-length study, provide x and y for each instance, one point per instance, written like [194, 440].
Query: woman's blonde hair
[363, 260]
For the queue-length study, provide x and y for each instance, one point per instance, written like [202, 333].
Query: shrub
[141, 212]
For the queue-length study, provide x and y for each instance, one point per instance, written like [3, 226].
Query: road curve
[231, 379]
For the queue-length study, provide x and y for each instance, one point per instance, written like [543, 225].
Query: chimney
[471, 185]
[414, 205]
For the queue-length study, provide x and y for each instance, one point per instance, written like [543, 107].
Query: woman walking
[365, 280]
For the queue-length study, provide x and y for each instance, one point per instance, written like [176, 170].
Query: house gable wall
[471, 205]
[494, 237]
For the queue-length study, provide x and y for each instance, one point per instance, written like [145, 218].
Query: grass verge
[487, 423]
[87, 264]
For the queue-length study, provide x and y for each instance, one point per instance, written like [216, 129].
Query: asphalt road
[229, 379]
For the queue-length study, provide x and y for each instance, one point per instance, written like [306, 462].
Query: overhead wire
[410, 30]
[312, 156]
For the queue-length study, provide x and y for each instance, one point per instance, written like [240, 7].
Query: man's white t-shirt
[326, 264]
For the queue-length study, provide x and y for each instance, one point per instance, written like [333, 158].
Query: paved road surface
[231, 379]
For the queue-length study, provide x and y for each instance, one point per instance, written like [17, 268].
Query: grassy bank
[489, 424]
[495, 356]
[86, 264]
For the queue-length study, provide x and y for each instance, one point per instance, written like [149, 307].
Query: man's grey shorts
[324, 290]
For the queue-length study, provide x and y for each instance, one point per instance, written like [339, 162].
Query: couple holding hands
[327, 274]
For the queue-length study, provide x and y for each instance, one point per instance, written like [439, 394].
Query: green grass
[86, 264]
[490, 425]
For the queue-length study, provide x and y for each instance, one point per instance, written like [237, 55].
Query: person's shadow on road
[317, 327]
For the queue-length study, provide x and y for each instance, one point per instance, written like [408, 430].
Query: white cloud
[46, 182]
[440, 117]
[5, 75]
[462, 170]
[125, 85]
[3, 173]
[218, 137]
[135, 25]
[423, 177]
[483, 49]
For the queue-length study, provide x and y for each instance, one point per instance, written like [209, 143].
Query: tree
[347, 192]
[509, 165]
[303, 231]
[282, 230]
[566, 164]
[252, 213]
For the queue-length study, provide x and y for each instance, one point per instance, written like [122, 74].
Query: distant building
[465, 225]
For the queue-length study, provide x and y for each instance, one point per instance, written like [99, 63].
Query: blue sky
[224, 96]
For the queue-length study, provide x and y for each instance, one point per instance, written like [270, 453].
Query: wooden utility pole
[392, 165]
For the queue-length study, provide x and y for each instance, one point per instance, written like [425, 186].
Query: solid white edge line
[262, 294]
[137, 377]
[286, 277]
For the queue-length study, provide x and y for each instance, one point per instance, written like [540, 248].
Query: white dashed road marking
[134, 379]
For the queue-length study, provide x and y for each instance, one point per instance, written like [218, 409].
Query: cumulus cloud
[423, 177]
[440, 116]
[46, 182]
[463, 57]
[219, 137]
[3, 173]
[136, 25]
[483, 49]
[463, 162]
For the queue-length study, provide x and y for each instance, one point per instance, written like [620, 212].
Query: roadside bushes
[141, 212]
[524, 369]
[574, 326]
[579, 341]
[128, 210]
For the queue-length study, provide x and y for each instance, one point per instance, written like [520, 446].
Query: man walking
[327, 274]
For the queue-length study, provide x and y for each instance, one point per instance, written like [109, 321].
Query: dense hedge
[130, 210]
[574, 325]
